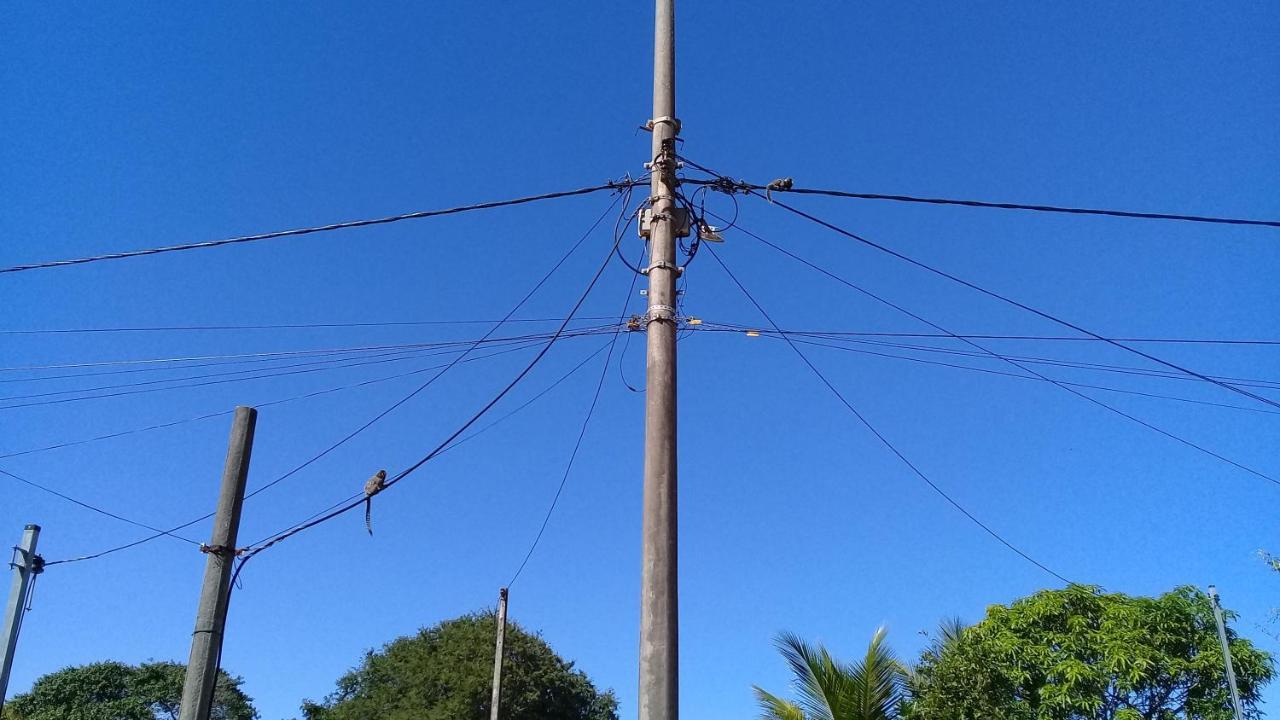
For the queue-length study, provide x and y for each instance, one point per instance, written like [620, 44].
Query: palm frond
[773, 707]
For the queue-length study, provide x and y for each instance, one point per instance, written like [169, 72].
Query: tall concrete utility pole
[498, 655]
[211, 618]
[1226, 652]
[26, 565]
[659, 606]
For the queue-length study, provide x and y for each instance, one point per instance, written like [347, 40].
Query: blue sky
[131, 126]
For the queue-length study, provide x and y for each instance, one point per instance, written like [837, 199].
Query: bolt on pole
[26, 565]
[1226, 652]
[659, 606]
[211, 617]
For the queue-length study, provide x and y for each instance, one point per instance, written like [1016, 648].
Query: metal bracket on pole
[660, 313]
[673, 122]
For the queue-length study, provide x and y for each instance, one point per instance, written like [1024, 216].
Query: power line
[482, 430]
[1014, 363]
[95, 508]
[730, 186]
[1003, 373]
[577, 445]
[1048, 338]
[282, 326]
[319, 228]
[998, 296]
[270, 373]
[1057, 362]
[359, 498]
[280, 401]
[884, 440]
[461, 358]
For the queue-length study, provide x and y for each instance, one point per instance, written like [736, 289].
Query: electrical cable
[358, 499]
[533, 399]
[282, 326]
[998, 296]
[564, 258]
[884, 440]
[744, 186]
[280, 401]
[1003, 373]
[577, 445]
[320, 228]
[96, 509]
[1016, 364]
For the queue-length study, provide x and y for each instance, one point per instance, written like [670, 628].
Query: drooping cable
[880, 436]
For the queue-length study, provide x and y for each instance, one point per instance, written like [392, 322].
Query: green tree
[116, 691]
[1079, 654]
[869, 689]
[446, 673]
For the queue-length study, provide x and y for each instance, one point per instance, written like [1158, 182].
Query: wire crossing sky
[993, 137]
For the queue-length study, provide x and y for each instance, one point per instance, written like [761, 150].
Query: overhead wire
[269, 403]
[318, 228]
[278, 326]
[879, 435]
[273, 372]
[994, 205]
[996, 295]
[95, 508]
[577, 445]
[461, 440]
[1002, 373]
[542, 281]
[1014, 363]
[358, 499]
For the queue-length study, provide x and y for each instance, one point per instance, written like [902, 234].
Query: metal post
[26, 565]
[1226, 652]
[498, 655]
[659, 620]
[211, 618]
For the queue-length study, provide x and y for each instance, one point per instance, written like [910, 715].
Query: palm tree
[870, 689]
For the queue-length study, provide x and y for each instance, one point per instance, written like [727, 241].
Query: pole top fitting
[32, 526]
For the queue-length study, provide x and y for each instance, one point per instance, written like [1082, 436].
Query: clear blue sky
[130, 126]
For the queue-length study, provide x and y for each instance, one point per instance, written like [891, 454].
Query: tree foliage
[446, 673]
[826, 689]
[1079, 654]
[116, 691]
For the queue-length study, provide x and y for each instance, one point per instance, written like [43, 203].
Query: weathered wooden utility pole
[659, 607]
[211, 617]
[26, 565]
[498, 655]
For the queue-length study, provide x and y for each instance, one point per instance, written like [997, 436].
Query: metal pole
[496, 702]
[659, 608]
[211, 617]
[1226, 652]
[26, 565]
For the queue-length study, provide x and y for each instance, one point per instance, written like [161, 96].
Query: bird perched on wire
[372, 486]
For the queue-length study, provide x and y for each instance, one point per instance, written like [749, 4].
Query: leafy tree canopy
[1079, 654]
[116, 691]
[446, 673]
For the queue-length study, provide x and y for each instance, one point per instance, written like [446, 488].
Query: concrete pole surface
[1226, 653]
[211, 617]
[495, 702]
[659, 607]
[26, 565]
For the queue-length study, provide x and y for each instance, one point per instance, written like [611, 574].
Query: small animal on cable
[372, 486]
[781, 184]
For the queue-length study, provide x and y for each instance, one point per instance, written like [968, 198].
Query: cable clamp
[217, 549]
[665, 119]
[663, 265]
[660, 313]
